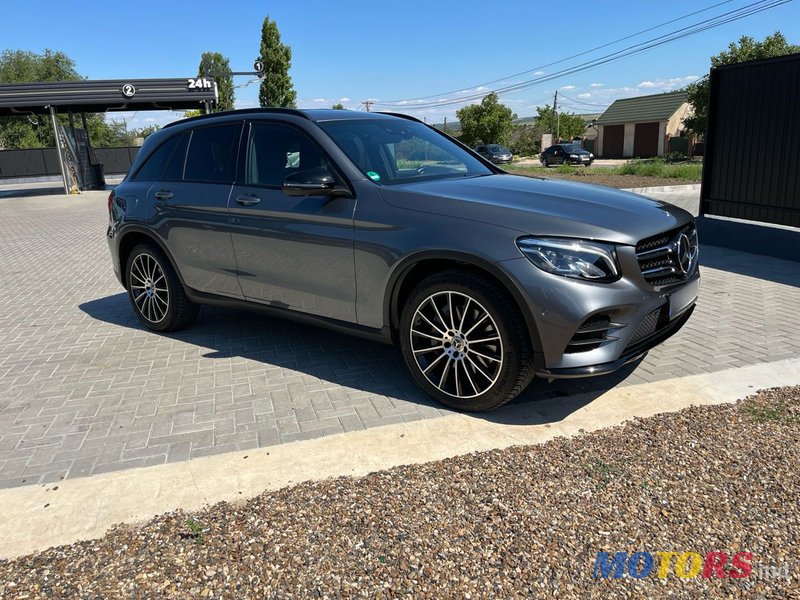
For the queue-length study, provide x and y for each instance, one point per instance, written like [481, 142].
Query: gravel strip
[520, 522]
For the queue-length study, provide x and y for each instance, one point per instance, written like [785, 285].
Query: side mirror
[312, 182]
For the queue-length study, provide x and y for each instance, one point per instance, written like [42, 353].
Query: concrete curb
[666, 189]
[37, 517]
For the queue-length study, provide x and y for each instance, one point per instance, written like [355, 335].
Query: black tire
[515, 369]
[148, 301]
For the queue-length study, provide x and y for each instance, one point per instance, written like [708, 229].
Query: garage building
[642, 126]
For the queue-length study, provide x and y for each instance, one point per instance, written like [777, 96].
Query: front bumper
[630, 316]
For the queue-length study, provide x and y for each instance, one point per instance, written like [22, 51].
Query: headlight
[591, 155]
[593, 261]
[574, 156]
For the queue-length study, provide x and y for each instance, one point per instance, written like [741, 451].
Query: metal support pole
[58, 150]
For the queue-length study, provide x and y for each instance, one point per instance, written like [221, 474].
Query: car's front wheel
[156, 293]
[464, 341]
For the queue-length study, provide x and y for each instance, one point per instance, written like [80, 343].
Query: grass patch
[660, 169]
[635, 168]
[602, 472]
[777, 412]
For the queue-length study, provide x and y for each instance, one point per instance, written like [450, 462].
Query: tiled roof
[643, 109]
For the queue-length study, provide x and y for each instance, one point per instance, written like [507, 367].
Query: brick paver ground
[85, 389]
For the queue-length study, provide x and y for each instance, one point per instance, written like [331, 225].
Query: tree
[486, 123]
[745, 49]
[144, 132]
[565, 125]
[338, 106]
[213, 64]
[276, 85]
[21, 66]
[35, 131]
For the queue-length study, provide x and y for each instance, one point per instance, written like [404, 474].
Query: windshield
[572, 148]
[496, 148]
[395, 151]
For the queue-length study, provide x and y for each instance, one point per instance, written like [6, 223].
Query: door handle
[248, 200]
[164, 195]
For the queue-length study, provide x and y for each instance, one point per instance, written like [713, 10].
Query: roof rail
[242, 111]
[401, 115]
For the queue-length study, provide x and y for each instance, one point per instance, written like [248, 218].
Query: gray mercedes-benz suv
[381, 226]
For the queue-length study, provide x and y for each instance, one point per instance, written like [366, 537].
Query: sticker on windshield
[373, 175]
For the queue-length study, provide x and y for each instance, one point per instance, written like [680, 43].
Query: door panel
[645, 140]
[294, 253]
[192, 216]
[195, 224]
[613, 141]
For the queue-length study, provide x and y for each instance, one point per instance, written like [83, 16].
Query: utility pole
[367, 104]
[445, 125]
[558, 117]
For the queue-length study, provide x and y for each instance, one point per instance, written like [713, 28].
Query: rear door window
[212, 154]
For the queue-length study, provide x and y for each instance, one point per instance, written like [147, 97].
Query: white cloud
[538, 72]
[668, 83]
[568, 88]
[320, 100]
[345, 99]
[481, 88]
[585, 95]
[596, 85]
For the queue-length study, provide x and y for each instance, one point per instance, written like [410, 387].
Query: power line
[573, 100]
[622, 39]
[706, 24]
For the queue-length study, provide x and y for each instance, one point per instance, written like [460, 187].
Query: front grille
[659, 258]
[591, 334]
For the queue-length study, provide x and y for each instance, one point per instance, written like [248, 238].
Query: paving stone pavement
[84, 389]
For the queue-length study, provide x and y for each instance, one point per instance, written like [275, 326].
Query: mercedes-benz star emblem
[685, 252]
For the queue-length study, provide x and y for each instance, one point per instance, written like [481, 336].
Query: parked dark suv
[384, 227]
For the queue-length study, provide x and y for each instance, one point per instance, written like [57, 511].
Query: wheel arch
[417, 267]
[132, 237]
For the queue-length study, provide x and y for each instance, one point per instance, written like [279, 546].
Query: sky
[349, 52]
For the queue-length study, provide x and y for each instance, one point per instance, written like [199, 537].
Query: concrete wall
[627, 144]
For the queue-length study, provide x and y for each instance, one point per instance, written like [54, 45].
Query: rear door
[291, 252]
[190, 204]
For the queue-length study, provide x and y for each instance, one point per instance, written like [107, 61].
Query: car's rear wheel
[465, 342]
[155, 291]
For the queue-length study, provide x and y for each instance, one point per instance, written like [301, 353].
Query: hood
[542, 206]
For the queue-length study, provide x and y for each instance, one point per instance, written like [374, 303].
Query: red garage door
[645, 140]
[613, 141]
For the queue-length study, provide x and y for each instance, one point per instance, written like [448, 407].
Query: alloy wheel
[149, 288]
[456, 344]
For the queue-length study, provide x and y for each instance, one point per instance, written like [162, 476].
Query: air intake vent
[591, 334]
